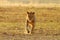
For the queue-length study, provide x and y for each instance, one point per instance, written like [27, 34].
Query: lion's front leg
[30, 26]
[27, 28]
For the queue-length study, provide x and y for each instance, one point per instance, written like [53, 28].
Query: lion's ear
[33, 12]
[27, 12]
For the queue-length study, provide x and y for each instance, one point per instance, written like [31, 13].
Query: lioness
[30, 22]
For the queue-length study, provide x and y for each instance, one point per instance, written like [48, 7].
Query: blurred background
[28, 2]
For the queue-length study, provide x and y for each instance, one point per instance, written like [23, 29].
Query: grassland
[13, 20]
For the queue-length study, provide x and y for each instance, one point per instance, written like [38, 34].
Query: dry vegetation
[13, 20]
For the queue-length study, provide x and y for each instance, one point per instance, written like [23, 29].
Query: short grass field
[13, 22]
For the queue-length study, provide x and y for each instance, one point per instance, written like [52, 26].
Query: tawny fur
[30, 22]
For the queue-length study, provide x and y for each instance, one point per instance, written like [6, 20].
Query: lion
[30, 22]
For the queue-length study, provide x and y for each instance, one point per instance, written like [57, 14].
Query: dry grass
[13, 19]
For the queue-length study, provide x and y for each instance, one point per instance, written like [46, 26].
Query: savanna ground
[13, 22]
